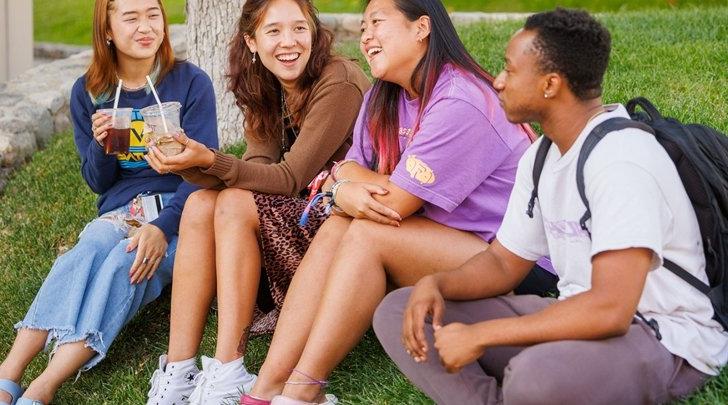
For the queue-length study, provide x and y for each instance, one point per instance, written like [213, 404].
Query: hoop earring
[254, 58]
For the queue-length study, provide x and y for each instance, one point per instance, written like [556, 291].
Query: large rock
[15, 147]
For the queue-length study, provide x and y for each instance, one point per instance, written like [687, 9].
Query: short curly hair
[574, 44]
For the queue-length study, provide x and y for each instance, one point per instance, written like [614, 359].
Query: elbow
[617, 326]
[615, 320]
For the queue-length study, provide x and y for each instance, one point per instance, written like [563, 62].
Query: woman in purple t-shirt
[423, 189]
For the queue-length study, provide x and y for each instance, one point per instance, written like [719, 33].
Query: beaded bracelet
[318, 198]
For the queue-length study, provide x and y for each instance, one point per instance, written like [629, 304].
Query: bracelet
[335, 189]
[337, 166]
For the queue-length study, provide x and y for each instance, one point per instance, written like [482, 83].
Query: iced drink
[117, 138]
[155, 131]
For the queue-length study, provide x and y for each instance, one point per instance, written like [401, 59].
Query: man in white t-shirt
[588, 346]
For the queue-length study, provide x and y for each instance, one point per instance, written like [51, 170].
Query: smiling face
[521, 85]
[392, 44]
[283, 41]
[136, 28]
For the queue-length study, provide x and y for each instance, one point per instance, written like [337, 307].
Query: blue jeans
[87, 296]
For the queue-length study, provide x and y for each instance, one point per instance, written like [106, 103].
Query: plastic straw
[161, 110]
[116, 101]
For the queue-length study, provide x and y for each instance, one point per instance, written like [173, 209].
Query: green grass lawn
[351, 6]
[69, 21]
[675, 57]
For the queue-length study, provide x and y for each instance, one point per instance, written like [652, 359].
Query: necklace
[286, 116]
[133, 88]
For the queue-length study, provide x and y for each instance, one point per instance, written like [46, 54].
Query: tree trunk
[210, 26]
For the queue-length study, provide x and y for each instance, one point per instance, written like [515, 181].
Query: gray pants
[630, 369]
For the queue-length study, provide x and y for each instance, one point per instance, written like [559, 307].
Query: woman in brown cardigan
[239, 238]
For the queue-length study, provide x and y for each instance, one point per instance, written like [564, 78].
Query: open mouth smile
[288, 58]
[373, 51]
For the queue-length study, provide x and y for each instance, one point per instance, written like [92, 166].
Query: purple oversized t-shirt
[462, 161]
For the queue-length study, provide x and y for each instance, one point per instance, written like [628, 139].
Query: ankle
[177, 356]
[11, 372]
[225, 358]
[265, 392]
[303, 386]
[42, 391]
[308, 393]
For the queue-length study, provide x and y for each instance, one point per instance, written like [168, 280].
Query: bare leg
[417, 248]
[238, 270]
[193, 283]
[28, 343]
[66, 362]
[299, 309]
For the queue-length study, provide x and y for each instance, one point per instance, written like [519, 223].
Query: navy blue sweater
[118, 179]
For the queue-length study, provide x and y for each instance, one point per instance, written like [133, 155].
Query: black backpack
[700, 154]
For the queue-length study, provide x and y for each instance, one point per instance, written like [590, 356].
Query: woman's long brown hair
[257, 91]
[102, 77]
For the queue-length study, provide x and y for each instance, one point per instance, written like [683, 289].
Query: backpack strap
[591, 141]
[543, 150]
[687, 277]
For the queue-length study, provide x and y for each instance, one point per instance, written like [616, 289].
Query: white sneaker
[219, 384]
[172, 383]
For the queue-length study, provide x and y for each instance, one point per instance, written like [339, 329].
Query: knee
[362, 233]
[532, 376]
[390, 312]
[200, 207]
[236, 206]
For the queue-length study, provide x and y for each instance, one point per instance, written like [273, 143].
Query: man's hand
[457, 345]
[425, 299]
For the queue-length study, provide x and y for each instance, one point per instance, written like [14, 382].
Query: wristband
[337, 166]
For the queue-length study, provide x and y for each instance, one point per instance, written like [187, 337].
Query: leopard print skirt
[282, 245]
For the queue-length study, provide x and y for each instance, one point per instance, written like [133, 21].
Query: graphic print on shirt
[568, 230]
[137, 145]
[419, 170]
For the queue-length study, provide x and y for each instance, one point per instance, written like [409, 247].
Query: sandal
[248, 399]
[12, 388]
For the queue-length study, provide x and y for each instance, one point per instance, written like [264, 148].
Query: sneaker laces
[200, 381]
[155, 382]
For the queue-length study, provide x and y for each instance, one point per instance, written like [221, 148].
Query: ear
[250, 42]
[553, 85]
[423, 28]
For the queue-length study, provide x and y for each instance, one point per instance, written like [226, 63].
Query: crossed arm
[373, 196]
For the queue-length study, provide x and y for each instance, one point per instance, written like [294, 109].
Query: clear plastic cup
[154, 127]
[117, 139]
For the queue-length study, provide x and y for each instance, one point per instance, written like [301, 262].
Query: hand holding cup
[195, 154]
[100, 125]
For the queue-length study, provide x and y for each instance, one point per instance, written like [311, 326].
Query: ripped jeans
[87, 296]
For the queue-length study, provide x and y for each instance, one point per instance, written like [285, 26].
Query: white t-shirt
[636, 200]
